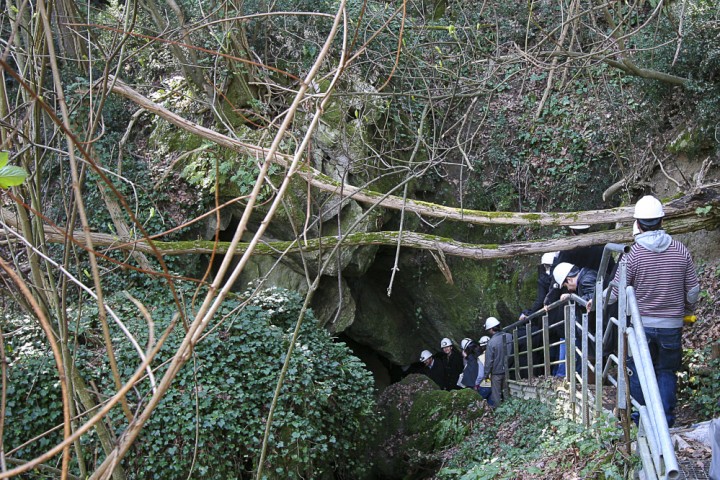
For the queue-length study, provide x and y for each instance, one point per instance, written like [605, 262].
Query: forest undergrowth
[699, 385]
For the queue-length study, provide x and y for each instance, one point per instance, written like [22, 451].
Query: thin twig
[663, 170]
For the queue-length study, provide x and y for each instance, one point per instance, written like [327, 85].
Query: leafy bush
[700, 384]
[210, 424]
[534, 438]
[33, 406]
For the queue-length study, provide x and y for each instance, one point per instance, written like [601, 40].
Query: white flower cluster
[272, 299]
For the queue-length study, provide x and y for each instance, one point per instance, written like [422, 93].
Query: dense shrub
[210, 424]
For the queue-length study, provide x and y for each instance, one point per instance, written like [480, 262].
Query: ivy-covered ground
[532, 440]
[699, 386]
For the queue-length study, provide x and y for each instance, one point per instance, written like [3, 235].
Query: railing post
[600, 321]
[584, 370]
[516, 356]
[546, 344]
[529, 350]
[570, 356]
[598, 367]
[622, 401]
[644, 367]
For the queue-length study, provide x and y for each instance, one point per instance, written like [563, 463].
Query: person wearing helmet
[452, 364]
[470, 353]
[582, 257]
[483, 383]
[544, 283]
[496, 356]
[432, 368]
[666, 285]
[580, 281]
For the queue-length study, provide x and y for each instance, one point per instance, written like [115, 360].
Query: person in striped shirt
[663, 274]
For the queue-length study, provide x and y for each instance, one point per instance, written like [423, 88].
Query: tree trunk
[680, 218]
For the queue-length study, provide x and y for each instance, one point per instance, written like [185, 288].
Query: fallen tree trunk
[681, 217]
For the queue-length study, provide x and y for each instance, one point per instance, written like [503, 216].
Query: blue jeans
[666, 352]
[485, 392]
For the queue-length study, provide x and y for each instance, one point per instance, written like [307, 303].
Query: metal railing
[590, 365]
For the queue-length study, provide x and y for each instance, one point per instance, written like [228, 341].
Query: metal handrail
[648, 382]
[655, 446]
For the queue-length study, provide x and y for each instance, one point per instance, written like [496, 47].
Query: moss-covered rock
[395, 405]
[441, 419]
[420, 421]
[689, 140]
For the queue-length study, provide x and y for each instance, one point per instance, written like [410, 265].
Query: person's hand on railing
[589, 305]
[522, 317]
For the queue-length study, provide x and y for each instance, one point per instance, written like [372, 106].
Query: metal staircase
[592, 376]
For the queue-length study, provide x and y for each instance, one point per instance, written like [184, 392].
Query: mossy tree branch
[681, 217]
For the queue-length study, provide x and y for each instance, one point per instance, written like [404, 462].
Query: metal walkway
[593, 374]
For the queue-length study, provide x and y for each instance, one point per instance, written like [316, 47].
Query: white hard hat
[445, 342]
[465, 342]
[548, 258]
[561, 271]
[425, 355]
[491, 322]
[483, 340]
[649, 208]
[579, 227]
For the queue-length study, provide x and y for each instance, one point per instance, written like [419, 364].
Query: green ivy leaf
[10, 176]
[703, 211]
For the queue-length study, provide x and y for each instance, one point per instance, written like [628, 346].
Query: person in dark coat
[453, 364]
[433, 368]
[557, 329]
[544, 282]
[583, 257]
[470, 353]
[581, 282]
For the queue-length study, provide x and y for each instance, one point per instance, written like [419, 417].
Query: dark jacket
[544, 282]
[470, 372]
[582, 257]
[453, 366]
[436, 372]
[586, 284]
